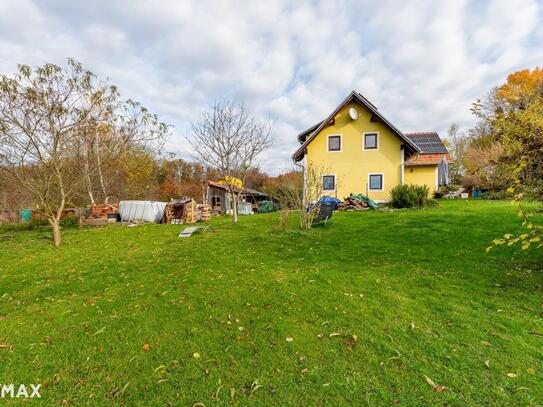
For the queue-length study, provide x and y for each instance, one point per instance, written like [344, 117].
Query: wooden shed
[220, 200]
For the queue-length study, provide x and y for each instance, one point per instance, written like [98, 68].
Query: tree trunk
[234, 207]
[100, 173]
[55, 224]
[55, 219]
[87, 171]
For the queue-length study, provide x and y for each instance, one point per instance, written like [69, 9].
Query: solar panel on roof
[428, 142]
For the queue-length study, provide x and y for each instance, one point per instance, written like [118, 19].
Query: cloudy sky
[421, 62]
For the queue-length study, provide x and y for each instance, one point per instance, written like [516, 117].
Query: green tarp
[363, 198]
[267, 206]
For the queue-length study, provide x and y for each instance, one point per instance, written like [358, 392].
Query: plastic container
[24, 215]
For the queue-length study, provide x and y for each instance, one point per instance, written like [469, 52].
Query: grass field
[374, 303]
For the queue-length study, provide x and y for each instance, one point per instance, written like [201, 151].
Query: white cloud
[421, 62]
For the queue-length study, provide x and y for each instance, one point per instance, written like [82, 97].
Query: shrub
[495, 195]
[409, 196]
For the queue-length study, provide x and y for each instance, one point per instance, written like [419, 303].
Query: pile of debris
[103, 211]
[350, 204]
[357, 202]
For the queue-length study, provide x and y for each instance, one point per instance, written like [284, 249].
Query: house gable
[351, 161]
[356, 98]
[352, 134]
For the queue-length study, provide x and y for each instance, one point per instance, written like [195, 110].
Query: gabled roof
[353, 96]
[303, 135]
[428, 142]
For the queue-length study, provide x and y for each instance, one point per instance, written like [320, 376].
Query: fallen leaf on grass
[146, 346]
[436, 387]
[512, 375]
[499, 335]
[254, 387]
[289, 339]
[159, 368]
[531, 371]
[99, 331]
[196, 355]
[6, 346]
[215, 396]
[124, 387]
[304, 370]
[351, 342]
[487, 363]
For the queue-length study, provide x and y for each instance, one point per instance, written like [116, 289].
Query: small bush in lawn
[409, 196]
[496, 195]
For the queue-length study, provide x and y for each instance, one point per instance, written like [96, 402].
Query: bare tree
[229, 139]
[42, 112]
[108, 141]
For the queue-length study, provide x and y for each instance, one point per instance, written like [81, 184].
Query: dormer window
[334, 142]
[371, 141]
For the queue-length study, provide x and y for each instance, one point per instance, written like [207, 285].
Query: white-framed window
[376, 182]
[329, 182]
[334, 142]
[370, 140]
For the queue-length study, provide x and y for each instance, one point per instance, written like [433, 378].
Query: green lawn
[374, 303]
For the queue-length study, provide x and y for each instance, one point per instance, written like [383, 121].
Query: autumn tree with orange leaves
[513, 117]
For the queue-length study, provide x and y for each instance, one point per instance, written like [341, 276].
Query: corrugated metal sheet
[148, 211]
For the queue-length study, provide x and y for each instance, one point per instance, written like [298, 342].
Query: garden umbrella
[443, 172]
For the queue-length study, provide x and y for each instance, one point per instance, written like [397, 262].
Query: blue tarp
[325, 200]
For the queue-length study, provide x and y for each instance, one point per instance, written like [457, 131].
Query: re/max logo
[12, 391]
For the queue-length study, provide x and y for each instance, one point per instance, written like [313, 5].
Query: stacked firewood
[190, 212]
[351, 204]
[203, 212]
[197, 212]
[168, 213]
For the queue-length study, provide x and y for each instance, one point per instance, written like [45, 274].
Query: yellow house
[357, 150]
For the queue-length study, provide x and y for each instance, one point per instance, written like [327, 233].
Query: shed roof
[244, 191]
[426, 159]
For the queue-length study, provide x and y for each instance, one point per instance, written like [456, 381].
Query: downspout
[402, 164]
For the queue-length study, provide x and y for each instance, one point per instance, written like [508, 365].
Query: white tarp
[149, 211]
